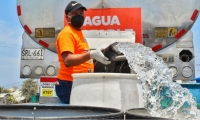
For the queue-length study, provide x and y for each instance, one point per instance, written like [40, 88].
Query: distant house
[16, 94]
[3, 98]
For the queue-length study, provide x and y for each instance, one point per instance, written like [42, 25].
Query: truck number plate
[47, 92]
[32, 54]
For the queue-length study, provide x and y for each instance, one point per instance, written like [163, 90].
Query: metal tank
[156, 24]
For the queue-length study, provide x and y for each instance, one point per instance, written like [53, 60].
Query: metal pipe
[185, 58]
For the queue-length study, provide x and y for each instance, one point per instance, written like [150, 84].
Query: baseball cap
[73, 6]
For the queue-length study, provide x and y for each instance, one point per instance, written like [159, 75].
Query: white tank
[113, 90]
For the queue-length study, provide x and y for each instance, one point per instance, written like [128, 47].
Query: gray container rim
[130, 115]
[104, 75]
[118, 114]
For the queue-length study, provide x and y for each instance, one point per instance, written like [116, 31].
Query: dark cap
[73, 6]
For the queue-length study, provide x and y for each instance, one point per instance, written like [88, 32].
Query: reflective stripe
[180, 34]
[43, 43]
[157, 47]
[26, 28]
[19, 10]
[194, 15]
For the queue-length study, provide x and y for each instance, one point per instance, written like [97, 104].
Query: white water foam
[162, 96]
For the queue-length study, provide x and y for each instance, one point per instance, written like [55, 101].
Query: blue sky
[11, 40]
[10, 44]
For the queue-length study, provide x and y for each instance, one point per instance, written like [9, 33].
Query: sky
[10, 44]
[11, 41]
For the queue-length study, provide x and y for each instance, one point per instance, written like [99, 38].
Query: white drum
[113, 90]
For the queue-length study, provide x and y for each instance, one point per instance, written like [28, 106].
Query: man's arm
[75, 59]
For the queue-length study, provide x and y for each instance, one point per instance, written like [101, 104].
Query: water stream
[162, 96]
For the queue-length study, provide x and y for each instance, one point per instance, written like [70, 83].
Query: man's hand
[98, 55]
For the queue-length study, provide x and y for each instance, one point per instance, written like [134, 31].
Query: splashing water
[162, 97]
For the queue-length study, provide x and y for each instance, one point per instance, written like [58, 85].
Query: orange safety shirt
[72, 40]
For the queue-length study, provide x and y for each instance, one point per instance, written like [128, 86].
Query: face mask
[77, 20]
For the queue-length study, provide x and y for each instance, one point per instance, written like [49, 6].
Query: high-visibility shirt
[72, 40]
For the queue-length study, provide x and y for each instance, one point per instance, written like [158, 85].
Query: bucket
[141, 113]
[33, 99]
[112, 90]
[197, 80]
[58, 112]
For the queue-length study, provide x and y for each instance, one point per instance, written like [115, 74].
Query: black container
[110, 52]
[58, 112]
[141, 113]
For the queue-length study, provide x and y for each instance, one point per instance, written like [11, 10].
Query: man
[73, 51]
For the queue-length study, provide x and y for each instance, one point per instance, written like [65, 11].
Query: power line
[14, 83]
[11, 84]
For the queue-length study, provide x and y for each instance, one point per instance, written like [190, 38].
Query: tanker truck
[164, 26]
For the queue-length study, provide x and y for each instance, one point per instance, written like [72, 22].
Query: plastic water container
[197, 80]
[33, 99]
[113, 90]
[194, 89]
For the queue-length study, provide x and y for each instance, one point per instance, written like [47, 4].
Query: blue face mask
[77, 20]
